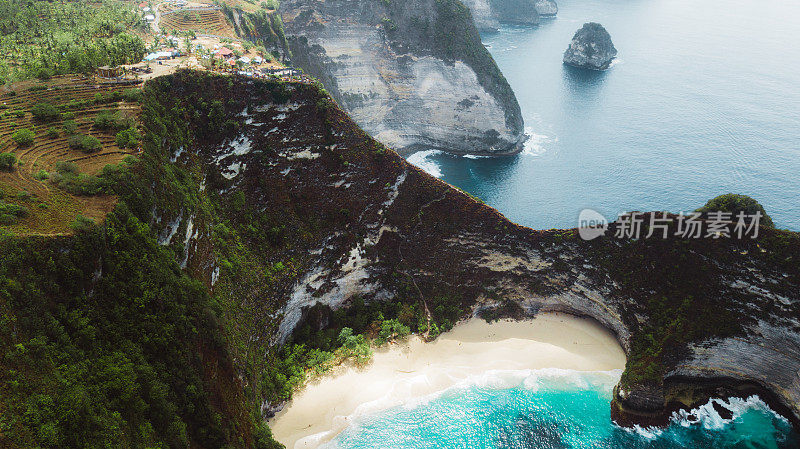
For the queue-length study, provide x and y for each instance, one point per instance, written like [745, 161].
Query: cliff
[359, 222]
[413, 74]
[260, 221]
[489, 14]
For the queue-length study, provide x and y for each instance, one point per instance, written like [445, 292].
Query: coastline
[413, 369]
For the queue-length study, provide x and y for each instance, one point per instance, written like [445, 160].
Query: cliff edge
[415, 75]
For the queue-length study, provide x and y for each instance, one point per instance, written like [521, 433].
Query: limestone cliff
[349, 219]
[489, 14]
[413, 74]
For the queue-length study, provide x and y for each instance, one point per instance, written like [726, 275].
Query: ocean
[702, 100]
[554, 409]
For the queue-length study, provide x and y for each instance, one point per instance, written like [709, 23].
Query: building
[109, 72]
[225, 52]
[281, 71]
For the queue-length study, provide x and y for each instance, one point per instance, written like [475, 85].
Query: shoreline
[403, 372]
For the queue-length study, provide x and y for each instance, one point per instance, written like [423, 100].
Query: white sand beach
[414, 369]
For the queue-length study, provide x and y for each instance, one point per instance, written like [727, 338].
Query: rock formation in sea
[546, 8]
[591, 48]
[415, 74]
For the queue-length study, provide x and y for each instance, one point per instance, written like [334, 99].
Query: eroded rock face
[546, 8]
[489, 14]
[591, 48]
[364, 222]
[413, 74]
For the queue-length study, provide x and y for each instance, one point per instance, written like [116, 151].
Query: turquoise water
[556, 410]
[703, 100]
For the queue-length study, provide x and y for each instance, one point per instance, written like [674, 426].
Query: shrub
[7, 161]
[10, 213]
[81, 224]
[735, 204]
[70, 127]
[109, 120]
[65, 167]
[45, 112]
[132, 95]
[52, 133]
[105, 120]
[18, 114]
[85, 143]
[41, 175]
[44, 73]
[128, 138]
[23, 137]
[68, 177]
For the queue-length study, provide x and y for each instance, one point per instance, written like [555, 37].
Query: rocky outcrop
[546, 8]
[591, 48]
[413, 74]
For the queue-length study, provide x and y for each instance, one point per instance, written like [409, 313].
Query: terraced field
[209, 21]
[31, 183]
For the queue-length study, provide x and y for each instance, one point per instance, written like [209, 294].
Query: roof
[225, 51]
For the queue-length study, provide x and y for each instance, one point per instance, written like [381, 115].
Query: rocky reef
[590, 48]
[415, 75]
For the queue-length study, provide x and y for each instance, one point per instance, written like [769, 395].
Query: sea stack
[591, 48]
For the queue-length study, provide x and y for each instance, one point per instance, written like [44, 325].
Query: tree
[7, 161]
[85, 143]
[45, 112]
[735, 204]
[23, 137]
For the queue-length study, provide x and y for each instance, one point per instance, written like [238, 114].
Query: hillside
[259, 221]
[71, 150]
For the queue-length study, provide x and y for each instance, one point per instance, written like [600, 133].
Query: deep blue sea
[554, 409]
[704, 99]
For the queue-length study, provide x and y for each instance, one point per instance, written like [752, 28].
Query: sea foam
[423, 160]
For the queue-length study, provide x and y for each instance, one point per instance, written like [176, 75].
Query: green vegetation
[23, 137]
[42, 39]
[112, 121]
[736, 204]
[128, 138]
[69, 127]
[111, 363]
[68, 177]
[261, 27]
[10, 213]
[85, 143]
[7, 161]
[132, 95]
[45, 112]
